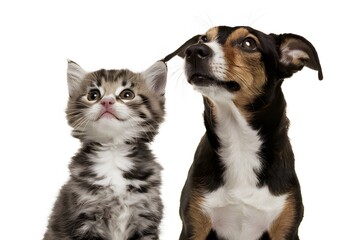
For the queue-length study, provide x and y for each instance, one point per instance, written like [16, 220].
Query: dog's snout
[198, 51]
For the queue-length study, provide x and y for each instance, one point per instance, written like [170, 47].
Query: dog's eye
[248, 44]
[203, 39]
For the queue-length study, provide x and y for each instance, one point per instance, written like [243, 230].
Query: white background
[36, 38]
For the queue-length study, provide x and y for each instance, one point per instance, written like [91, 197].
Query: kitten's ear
[155, 77]
[75, 74]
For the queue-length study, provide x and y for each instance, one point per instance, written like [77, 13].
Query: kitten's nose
[107, 101]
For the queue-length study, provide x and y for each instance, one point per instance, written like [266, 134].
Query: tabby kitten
[114, 186]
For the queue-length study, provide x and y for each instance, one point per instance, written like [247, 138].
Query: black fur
[268, 117]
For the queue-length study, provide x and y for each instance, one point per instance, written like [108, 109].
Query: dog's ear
[297, 52]
[181, 50]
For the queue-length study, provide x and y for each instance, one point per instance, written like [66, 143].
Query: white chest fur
[118, 205]
[109, 166]
[240, 209]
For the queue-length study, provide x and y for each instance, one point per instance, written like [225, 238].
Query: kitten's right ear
[156, 76]
[181, 50]
[75, 74]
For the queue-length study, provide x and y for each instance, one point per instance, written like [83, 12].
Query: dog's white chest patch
[240, 209]
[243, 213]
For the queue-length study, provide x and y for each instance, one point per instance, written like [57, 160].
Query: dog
[242, 183]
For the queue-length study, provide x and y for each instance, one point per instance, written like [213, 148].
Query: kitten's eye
[127, 94]
[203, 39]
[93, 95]
[248, 44]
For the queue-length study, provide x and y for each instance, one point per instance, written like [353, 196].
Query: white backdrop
[38, 36]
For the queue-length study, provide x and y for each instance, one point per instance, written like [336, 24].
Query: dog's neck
[239, 145]
[265, 135]
[267, 114]
[269, 118]
[278, 158]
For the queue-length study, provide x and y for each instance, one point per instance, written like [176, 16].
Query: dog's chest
[242, 213]
[240, 209]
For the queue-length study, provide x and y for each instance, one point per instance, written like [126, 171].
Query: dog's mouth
[204, 81]
[201, 80]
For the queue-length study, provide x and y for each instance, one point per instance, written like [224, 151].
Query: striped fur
[114, 186]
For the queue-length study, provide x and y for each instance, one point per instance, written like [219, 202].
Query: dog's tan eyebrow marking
[212, 33]
[241, 33]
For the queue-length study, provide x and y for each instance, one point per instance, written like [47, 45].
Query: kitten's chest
[109, 168]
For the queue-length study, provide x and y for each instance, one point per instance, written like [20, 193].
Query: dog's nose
[198, 51]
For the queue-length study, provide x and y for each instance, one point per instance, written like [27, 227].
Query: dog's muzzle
[198, 69]
[198, 52]
[197, 59]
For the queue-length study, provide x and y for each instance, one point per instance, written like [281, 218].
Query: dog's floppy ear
[297, 52]
[181, 50]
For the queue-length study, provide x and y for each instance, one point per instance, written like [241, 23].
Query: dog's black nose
[198, 51]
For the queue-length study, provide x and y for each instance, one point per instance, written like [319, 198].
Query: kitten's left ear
[156, 76]
[297, 52]
[75, 74]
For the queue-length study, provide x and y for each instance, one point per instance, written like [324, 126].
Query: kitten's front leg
[145, 236]
[151, 233]
[89, 238]
[146, 221]
[88, 226]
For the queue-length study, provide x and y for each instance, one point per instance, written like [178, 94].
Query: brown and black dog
[242, 184]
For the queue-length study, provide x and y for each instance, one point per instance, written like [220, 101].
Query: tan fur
[246, 68]
[227, 70]
[282, 225]
[200, 221]
[211, 34]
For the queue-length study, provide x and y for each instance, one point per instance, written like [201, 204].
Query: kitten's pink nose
[107, 101]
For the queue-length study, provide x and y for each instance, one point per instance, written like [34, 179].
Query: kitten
[114, 186]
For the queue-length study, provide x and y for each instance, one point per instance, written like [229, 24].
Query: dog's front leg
[285, 227]
[196, 224]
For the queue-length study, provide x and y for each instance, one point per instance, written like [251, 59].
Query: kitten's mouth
[108, 115]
